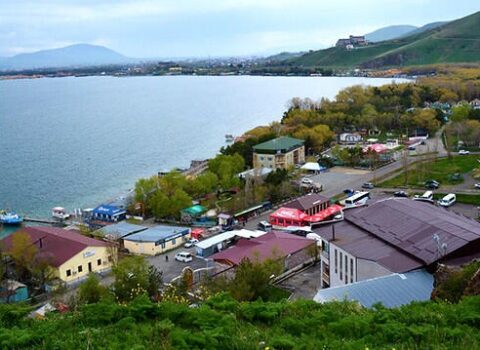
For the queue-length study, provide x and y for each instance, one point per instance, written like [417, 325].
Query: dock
[43, 221]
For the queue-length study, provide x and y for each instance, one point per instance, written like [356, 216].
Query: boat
[8, 218]
[60, 213]
[229, 138]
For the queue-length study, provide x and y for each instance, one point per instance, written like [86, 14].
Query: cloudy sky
[187, 28]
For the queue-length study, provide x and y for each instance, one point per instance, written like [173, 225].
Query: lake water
[76, 142]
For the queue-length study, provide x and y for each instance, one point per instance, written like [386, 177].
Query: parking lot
[339, 178]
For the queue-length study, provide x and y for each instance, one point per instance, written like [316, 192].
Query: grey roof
[307, 201]
[121, 230]
[158, 233]
[362, 245]
[410, 225]
[282, 143]
[392, 290]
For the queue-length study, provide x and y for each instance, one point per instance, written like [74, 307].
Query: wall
[89, 254]
[341, 274]
[149, 248]
[271, 160]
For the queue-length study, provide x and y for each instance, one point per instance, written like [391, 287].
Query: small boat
[60, 213]
[7, 218]
[229, 138]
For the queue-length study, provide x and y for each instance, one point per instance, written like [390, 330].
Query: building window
[336, 262]
[80, 268]
[262, 158]
[341, 267]
[174, 241]
[99, 262]
[69, 273]
[351, 270]
[163, 245]
[346, 269]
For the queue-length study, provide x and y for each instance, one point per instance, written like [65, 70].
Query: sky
[201, 28]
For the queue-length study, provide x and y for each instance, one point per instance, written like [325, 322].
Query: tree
[179, 201]
[315, 137]
[226, 167]
[155, 283]
[426, 118]
[23, 252]
[145, 189]
[91, 291]
[131, 278]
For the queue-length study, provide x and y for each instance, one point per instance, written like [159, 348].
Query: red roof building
[273, 245]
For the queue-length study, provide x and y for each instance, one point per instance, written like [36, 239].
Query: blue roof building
[157, 239]
[108, 213]
[120, 230]
[392, 291]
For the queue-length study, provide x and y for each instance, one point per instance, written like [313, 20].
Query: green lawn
[439, 170]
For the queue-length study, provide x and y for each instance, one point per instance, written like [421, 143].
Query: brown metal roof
[307, 201]
[410, 225]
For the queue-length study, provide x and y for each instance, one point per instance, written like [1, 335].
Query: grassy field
[439, 170]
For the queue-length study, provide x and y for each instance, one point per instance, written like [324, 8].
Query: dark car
[401, 194]
[368, 185]
[432, 184]
[348, 191]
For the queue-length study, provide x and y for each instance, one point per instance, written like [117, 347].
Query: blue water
[75, 142]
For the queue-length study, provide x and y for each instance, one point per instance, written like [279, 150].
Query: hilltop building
[395, 235]
[352, 42]
[280, 153]
[72, 255]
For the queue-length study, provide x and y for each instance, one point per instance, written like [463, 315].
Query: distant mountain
[454, 42]
[390, 32]
[424, 28]
[79, 55]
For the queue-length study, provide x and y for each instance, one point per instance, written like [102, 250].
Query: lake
[75, 142]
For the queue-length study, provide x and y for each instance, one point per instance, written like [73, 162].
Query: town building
[347, 138]
[193, 213]
[13, 292]
[352, 42]
[394, 235]
[72, 255]
[156, 240]
[222, 241]
[117, 232]
[291, 249]
[310, 204]
[280, 153]
[108, 213]
[391, 291]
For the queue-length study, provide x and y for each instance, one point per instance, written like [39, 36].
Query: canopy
[289, 214]
[312, 166]
[332, 210]
[377, 147]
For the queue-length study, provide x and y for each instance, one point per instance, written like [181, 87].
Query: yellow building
[72, 255]
[157, 240]
[280, 153]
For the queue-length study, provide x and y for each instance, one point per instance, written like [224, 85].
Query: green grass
[277, 294]
[438, 170]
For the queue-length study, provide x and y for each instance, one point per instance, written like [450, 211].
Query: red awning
[289, 214]
[377, 147]
[332, 210]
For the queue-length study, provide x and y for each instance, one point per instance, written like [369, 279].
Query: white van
[427, 197]
[184, 257]
[448, 200]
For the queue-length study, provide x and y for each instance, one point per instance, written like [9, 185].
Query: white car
[307, 181]
[183, 257]
[463, 152]
[190, 243]
[477, 186]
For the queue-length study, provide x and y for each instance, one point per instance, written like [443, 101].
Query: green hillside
[454, 42]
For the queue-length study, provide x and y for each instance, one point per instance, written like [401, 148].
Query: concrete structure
[72, 255]
[291, 249]
[157, 240]
[280, 153]
[395, 235]
[13, 292]
[391, 291]
[223, 240]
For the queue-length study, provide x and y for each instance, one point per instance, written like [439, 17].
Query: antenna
[441, 247]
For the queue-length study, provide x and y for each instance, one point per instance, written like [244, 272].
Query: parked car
[368, 185]
[401, 194]
[264, 226]
[448, 200]
[349, 191]
[411, 148]
[426, 197]
[463, 152]
[477, 186]
[432, 184]
[183, 257]
[307, 181]
[190, 243]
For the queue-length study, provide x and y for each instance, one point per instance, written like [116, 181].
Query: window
[351, 270]
[80, 268]
[341, 267]
[346, 269]
[336, 258]
[174, 241]
[163, 245]
[99, 262]
[262, 158]
[69, 273]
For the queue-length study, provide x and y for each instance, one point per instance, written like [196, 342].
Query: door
[89, 267]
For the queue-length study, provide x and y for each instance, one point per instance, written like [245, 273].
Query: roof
[376, 147]
[228, 235]
[195, 210]
[270, 245]
[120, 230]
[12, 285]
[158, 233]
[106, 209]
[283, 144]
[410, 226]
[307, 201]
[322, 215]
[56, 244]
[392, 290]
[289, 214]
[263, 171]
[312, 166]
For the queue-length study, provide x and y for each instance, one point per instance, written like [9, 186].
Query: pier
[44, 221]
